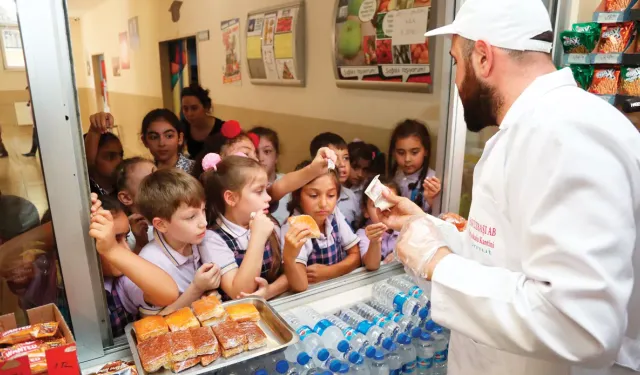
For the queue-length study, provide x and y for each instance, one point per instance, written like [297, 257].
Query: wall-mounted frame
[275, 45]
[380, 45]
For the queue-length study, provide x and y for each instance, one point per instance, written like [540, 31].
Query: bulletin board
[380, 44]
[275, 45]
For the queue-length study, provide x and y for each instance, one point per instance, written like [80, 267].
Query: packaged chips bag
[583, 74]
[616, 5]
[615, 37]
[582, 38]
[630, 81]
[605, 81]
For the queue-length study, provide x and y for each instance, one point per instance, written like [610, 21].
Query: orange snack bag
[616, 5]
[614, 38]
[605, 82]
[28, 333]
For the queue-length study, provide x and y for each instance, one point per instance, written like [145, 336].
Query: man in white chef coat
[543, 283]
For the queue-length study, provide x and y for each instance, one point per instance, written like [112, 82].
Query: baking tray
[279, 336]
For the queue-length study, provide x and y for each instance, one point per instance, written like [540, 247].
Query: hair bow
[210, 161]
[231, 129]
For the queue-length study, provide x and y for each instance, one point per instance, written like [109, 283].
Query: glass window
[10, 40]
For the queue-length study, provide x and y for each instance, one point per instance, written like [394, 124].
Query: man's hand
[317, 273]
[403, 209]
[419, 243]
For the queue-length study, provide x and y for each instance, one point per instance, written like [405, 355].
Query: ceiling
[78, 7]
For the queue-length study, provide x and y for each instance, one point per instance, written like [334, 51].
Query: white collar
[231, 228]
[176, 258]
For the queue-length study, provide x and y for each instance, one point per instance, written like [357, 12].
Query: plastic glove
[419, 241]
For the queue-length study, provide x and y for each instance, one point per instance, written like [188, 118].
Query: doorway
[178, 69]
[100, 82]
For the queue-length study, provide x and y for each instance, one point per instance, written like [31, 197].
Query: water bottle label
[399, 301]
[395, 316]
[363, 327]
[303, 332]
[395, 372]
[440, 356]
[424, 362]
[409, 367]
[415, 292]
[321, 326]
[348, 333]
[380, 321]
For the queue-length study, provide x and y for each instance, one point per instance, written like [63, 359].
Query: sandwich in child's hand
[149, 327]
[182, 320]
[243, 312]
[255, 337]
[208, 307]
[206, 344]
[306, 221]
[181, 346]
[155, 353]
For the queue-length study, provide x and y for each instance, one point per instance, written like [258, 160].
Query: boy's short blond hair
[164, 191]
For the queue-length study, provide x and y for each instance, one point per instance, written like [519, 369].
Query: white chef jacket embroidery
[545, 277]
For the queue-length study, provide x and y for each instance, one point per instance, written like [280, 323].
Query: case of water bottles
[386, 329]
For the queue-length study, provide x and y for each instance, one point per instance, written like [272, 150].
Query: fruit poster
[271, 44]
[231, 51]
[383, 41]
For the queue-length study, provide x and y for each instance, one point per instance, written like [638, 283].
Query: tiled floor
[21, 175]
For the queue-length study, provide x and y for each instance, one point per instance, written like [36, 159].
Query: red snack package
[605, 82]
[28, 333]
[614, 38]
[616, 5]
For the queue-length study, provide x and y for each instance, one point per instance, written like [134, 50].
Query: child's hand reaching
[101, 122]
[294, 240]
[95, 204]
[374, 232]
[261, 226]
[432, 187]
[207, 277]
[263, 289]
[101, 229]
[320, 163]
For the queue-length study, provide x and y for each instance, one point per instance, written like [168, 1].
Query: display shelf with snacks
[616, 11]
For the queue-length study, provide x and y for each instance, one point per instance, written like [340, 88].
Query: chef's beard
[480, 102]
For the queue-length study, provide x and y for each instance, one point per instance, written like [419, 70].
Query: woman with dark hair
[197, 109]
[162, 133]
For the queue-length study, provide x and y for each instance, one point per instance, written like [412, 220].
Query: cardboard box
[40, 314]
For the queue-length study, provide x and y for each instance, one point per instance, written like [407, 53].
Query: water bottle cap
[303, 358]
[423, 313]
[416, 332]
[326, 373]
[344, 369]
[343, 346]
[282, 367]
[404, 339]
[354, 357]
[430, 325]
[370, 352]
[261, 372]
[379, 356]
[438, 330]
[335, 365]
[425, 336]
[386, 343]
[393, 348]
[323, 354]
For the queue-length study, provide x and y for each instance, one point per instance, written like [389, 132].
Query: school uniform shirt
[332, 246]
[182, 270]
[358, 191]
[403, 181]
[545, 276]
[389, 240]
[281, 213]
[349, 207]
[119, 317]
[226, 245]
[185, 163]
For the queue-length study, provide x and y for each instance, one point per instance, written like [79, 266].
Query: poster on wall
[134, 37]
[231, 45]
[383, 41]
[271, 45]
[125, 63]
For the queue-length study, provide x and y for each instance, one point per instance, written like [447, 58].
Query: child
[104, 152]
[376, 240]
[173, 202]
[409, 155]
[244, 240]
[336, 252]
[163, 134]
[365, 160]
[109, 226]
[348, 203]
[268, 152]
[128, 175]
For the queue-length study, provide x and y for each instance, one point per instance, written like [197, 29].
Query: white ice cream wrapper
[374, 192]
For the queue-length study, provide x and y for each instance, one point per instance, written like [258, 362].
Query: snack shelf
[615, 17]
[629, 59]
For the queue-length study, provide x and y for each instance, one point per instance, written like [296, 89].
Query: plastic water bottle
[373, 333]
[430, 326]
[394, 361]
[303, 363]
[424, 355]
[331, 335]
[379, 365]
[407, 353]
[282, 367]
[336, 366]
[391, 328]
[411, 289]
[311, 341]
[357, 364]
[292, 351]
[269, 363]
[440, 346]
[393, 297]
[369, 355]
[406, 323]
[415, 336]
[359, 342]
